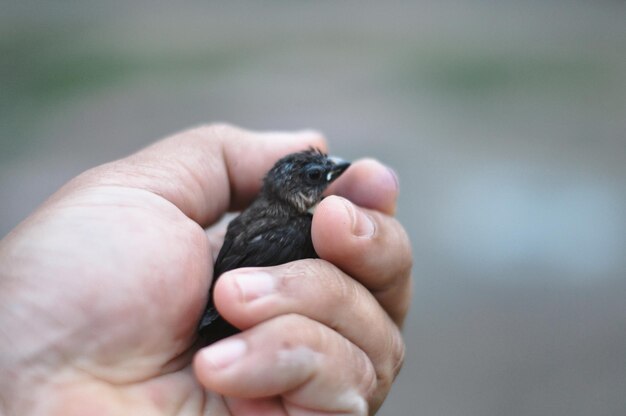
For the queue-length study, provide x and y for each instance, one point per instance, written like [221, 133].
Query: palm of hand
[126, 321]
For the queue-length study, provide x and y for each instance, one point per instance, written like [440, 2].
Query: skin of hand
[102, 287]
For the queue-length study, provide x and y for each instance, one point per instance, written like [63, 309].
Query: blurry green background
[506, 121]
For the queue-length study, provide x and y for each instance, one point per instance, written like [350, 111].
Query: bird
[276, 228]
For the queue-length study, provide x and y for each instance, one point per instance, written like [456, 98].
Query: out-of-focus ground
[506, 121]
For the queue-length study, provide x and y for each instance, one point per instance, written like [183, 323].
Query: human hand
[102, 287]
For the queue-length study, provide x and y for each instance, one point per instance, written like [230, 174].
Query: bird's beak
[339, 167]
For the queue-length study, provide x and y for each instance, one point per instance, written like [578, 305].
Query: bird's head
[300, 178]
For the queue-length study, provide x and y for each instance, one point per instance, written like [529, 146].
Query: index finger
[204, 171]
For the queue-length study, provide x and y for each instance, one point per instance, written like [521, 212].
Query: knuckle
[366, 378]
[337, 286]
[388, 372]
[403, 302]
[315, 275]
[347, 295]
[332, 287]
[397, 350]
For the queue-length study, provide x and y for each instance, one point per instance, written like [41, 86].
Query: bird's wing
[273, 245]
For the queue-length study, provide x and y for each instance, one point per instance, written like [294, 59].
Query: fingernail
[254, 285]
[224, 353]
[362, 224]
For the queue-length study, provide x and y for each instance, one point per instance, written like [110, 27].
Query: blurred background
[506, 121]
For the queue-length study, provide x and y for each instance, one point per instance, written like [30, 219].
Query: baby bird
[276, 228]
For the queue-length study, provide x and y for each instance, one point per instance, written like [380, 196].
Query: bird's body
[276, 228]
[263, 239]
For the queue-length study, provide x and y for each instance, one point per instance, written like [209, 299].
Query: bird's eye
[314, 173]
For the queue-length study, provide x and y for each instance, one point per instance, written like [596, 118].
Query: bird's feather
[278, 241]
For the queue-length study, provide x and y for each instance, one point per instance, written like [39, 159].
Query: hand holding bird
[102, 287]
